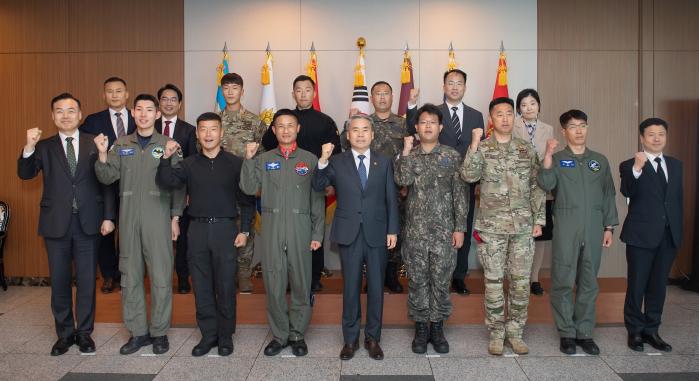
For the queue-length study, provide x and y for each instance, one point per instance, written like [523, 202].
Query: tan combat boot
[495, 346]
[244, 282]
[518, 345]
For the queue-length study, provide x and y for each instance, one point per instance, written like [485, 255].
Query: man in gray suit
[365, 225]
[459, 121]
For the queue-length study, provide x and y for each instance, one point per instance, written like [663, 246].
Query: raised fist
[639, 160]
[170, 148]
[476, 135]
[408, 145]
[326, 151]
[33, 136]
[551, 145]
[251, 150]
[102, 142]
[414, 94]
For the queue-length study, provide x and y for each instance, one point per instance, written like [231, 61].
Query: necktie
[72, 164]
[530, 130]
[166, 131]
[661, 174]
[362, 171]
[455, 123]
[120, 125]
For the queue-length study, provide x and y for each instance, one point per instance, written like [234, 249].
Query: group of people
[405, 190]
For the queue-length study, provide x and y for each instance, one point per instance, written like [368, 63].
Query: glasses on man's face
[424, 123]
[382, 94]
[169, 100]
[581, 126]
[455, 83]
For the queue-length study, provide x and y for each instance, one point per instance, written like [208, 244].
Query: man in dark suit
[114, 122]
[184, 134]
[75, 209]
[460, 120]
[652, 232]
[365, 225]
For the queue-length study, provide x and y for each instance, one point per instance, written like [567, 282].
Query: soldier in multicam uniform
[434, 228]
[389, 131]
[512, 212]
[240, 127]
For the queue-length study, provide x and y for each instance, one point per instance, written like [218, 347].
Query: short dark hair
[114, 79]
[527, 93]
[282, 112]
[430, 109]
[170, 86]
[302, 78]
[500, 100]
[446, 74]
[146, 97]
[380, 83]
[571, 114]
[651, 122]
[63, 96]
[232, 79]
[208, 116]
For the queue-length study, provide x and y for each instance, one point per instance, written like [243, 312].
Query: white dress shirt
[651, 159]
[172, 126]
[124, 118]
[64, 143]
[459, 113]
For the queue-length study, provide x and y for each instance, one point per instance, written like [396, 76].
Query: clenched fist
[33, 136]
[639, 160]
[414, 94]
[476, 135]
[551, 146]
[408, 145]
[170, 148]
[102, 142]
[326, 152]
[251, 150]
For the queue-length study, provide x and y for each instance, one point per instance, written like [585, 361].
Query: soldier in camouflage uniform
[434, 228]
[389, 131]
[512, 212]
[240, 127]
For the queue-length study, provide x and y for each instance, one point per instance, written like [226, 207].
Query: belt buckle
[211, 220]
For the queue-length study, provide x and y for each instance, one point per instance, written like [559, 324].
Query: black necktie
[661, 174]
[362, 171]
[455, 123]
[72, 164]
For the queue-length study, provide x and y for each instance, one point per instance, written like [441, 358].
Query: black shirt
[316, 129]
[212, 185]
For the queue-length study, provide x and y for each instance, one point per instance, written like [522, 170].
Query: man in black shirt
[316, 129]
[212, 178]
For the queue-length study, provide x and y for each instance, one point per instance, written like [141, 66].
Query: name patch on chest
[594, 165]
[273, 166]
[567, 163]
[301, 169]
[126, 151]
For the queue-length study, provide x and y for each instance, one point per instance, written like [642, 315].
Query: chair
[4, 221]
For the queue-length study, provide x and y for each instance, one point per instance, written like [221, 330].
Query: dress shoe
[183, 286]
[536, 289]
[160, 344]
[518, 345]
[656, 342]
[374, 349]
[422, 337]
[85, 343]
[204, 347]
[225, 349]
[299, 348]
[107, 286]
[635, 342]
[348, 350]
[274, 347]
[588, 346]
[439, 342]
[567, 345]
[62, 345]
[316, 286]
[134, 344]
[244, 282]
[459, 287]
[496, 346]
[391, 282]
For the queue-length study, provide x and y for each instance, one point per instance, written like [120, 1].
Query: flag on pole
[500, 89]
[268, 102]
[312, 71]
[406, 82]
[360, 94]
[221, 70]
[451, 65]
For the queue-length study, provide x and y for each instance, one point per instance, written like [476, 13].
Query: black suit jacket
[101, 123]
[472, 119]
[649, 210]
[375, 209]
[95, 202]
[185, 135]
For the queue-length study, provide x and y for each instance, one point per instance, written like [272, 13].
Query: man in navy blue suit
[365, 225]
[652, 181]
[114, 122]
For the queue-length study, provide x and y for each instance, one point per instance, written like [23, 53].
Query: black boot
[422, 336]
[439, 342]
[391, 282]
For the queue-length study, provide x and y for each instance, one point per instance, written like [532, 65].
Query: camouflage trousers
[506, 255]
[429, 282]
[245, 253]
[394, 255]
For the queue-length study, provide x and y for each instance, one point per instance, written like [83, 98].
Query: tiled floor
[26, 336]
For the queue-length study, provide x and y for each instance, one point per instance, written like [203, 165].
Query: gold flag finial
[361, 43]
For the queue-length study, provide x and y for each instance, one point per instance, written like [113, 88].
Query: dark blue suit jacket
[375, 209]
[101, 123]
[185, 135]
[650, 211]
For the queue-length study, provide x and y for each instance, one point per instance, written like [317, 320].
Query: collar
[530, 124]
[391, 116]
[75, 136]
[652, 157]
[173, 120]
[356, 154]
[437, 149]
[459, 107]
[286, 152]
[571, 153]
[123, 111]
[240, 112]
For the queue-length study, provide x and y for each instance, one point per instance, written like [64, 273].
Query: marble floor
[26, 336]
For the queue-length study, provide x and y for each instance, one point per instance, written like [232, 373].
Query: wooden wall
[51, 46]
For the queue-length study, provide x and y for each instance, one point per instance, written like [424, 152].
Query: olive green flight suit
[145, 233]
[293, 215]
[584, 193]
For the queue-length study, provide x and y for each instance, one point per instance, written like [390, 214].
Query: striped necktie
[120, 125]
[455, 123]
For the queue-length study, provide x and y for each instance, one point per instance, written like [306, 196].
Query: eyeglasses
[169, 100]
[428, 123]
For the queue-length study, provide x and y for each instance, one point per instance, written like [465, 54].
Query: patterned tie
[166, 131]
[660, 172]
[362, 171]
[73, 164]
[530, 130]
[120, 125]
[455, 123]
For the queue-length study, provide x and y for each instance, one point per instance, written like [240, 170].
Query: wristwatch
[609, 229]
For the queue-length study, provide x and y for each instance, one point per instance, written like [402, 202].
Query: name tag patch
[567, 163]
[301, 169]
[126, 151]
[594, 165]
[273, 166]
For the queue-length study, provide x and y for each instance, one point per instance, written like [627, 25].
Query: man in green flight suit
[585, 214]
[148, 223]
[293, 218]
